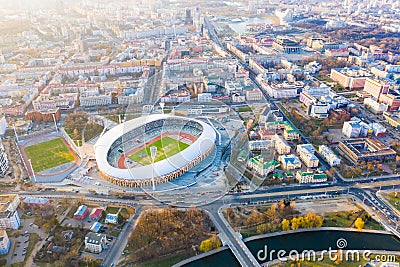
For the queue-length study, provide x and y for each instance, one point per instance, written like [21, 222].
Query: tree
[359, 224]
[216, 243]
[206, 245]
[285, 225]
[262, 228]
[296, 223]
[75, 134]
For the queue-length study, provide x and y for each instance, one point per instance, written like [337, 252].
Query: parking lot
[86, 223]
[18, 249]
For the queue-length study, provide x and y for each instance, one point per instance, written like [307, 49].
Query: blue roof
[95, 227]
[81, 210]
[36, 200]
[112, 216]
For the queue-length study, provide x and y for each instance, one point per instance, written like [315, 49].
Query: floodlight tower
[153, 152]
[55, 122]
[33, 171]
[162, 105]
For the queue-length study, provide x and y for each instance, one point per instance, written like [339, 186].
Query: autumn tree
[206, 245]
[285, 225]
[359, 224]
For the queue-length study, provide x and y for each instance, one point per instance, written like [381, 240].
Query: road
[120, 243]
[256, 197]
[152, 88]
[235, 243]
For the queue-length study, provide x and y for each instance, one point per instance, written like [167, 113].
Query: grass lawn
[339, 219]
[393, 200]
[245, 109]
[33, 239]
[166, 147]
[346, 218]
[49, 154]
[112, 210]
[92, 130]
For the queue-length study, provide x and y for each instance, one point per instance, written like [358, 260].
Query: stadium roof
[203, 143]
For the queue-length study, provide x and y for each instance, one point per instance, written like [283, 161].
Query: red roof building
[95, 214]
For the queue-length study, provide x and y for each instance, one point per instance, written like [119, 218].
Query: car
[15, 254]
[30, 224]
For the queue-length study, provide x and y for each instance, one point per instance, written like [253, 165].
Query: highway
[152, 88]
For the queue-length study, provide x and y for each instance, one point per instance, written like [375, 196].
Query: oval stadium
[123, 152]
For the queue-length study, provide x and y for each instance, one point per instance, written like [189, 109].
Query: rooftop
[6, 200]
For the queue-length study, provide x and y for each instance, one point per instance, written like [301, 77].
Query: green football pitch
[48, 154]
[166, 147]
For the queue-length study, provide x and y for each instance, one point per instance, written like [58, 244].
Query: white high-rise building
[3, 160]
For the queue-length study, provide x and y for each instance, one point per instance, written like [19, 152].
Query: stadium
[123, 152]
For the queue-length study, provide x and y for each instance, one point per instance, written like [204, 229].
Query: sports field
[166, 147]
[49, 154]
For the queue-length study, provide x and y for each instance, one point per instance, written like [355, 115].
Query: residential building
[95, 214]
[81, 212]
[95, 227]
[9, 218]
[289, 162]
[254, 95]
[3, 126]
[281, 146]
[378, 129]
[48, 115]
[281, 90]
[204, 97]
[270, 113]
[392, 99]
[36, 202]
[3, 160]
[306, 152]
[393, 118]
[310, 177]
[340, 52]
[95, 242]
[366, 149]
[328, 155]
[376, 107]
[5, 243]
[111, 218]
[89, 99]
[290, 133]
[351, 78]
[260, 166]
[260, 144]
[375, 87]
[319, 110]
[351, 129]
